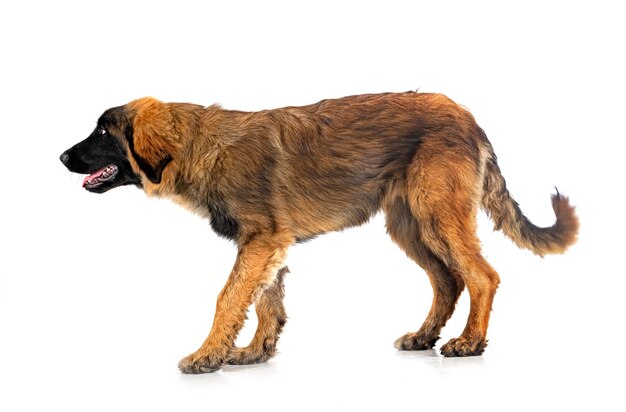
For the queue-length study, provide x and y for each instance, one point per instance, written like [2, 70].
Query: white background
[101, 295]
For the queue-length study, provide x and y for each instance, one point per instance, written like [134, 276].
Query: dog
[269, 179]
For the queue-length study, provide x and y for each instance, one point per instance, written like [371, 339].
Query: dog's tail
[508, 217]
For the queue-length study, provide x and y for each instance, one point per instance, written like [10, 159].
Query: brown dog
[272, 178]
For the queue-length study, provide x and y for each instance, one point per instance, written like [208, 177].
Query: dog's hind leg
[271, 320]
[444, 188]
[258, 263]
[447, 285]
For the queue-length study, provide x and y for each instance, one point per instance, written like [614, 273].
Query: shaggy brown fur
[272, 178]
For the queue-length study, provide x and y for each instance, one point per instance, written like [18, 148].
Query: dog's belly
[323, 204]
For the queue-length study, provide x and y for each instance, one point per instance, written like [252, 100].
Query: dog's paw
[245, 356]
[252, 354]
[463, 346]
[199, 363]
[415, 341]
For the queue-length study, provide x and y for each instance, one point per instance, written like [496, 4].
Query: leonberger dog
[272, 178]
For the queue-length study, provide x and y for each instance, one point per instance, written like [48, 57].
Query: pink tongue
[93, 176]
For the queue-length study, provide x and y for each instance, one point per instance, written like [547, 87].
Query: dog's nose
[64, 158]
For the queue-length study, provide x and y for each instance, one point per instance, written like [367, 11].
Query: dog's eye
[101, 131]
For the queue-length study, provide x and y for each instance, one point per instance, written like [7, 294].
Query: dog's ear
[151, 136]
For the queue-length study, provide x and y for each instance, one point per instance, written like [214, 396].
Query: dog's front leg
[258, 262]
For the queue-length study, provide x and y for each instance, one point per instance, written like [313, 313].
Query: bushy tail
[508, 217]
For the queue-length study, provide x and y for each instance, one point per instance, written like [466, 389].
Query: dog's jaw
[100, 177]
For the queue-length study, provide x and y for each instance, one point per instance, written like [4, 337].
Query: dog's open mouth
[99, 177]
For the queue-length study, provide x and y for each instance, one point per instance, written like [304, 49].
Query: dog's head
[131, 145]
